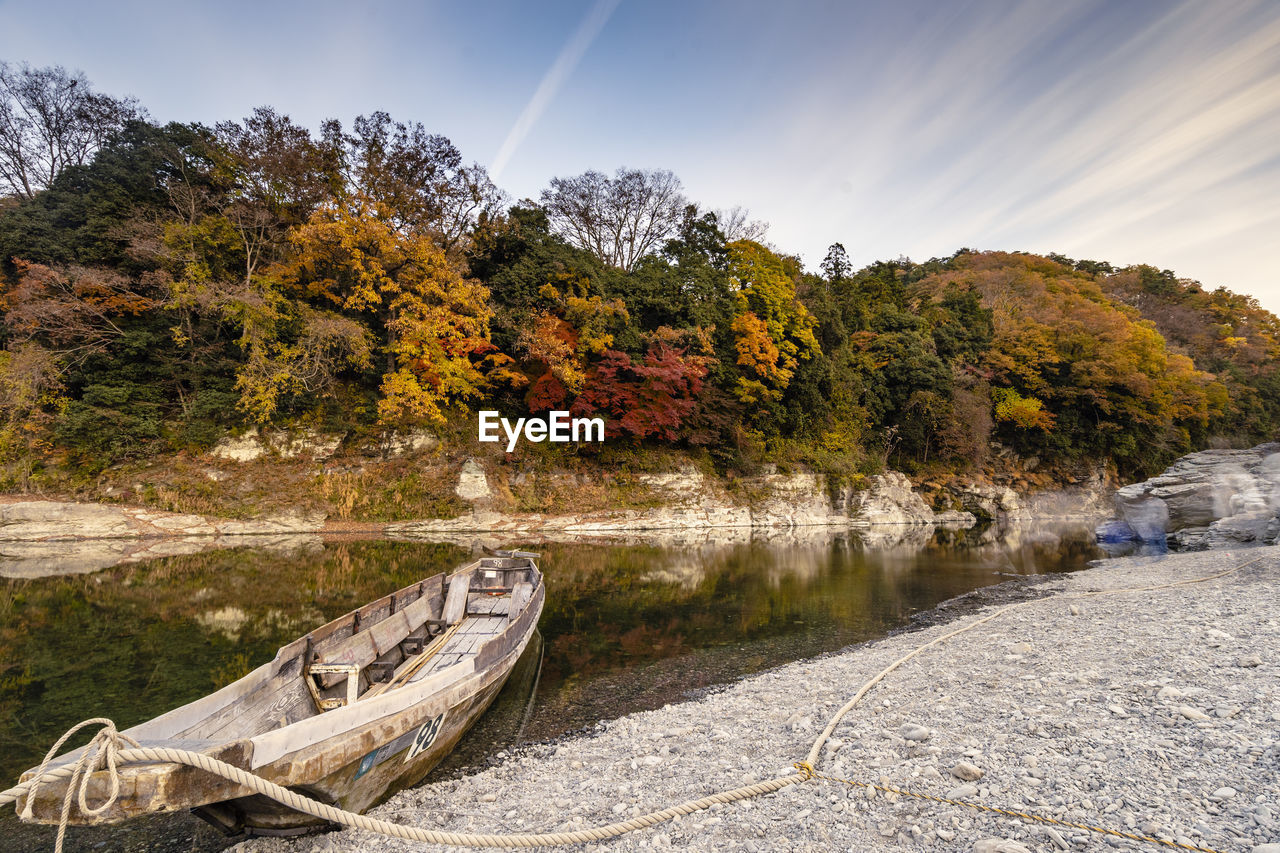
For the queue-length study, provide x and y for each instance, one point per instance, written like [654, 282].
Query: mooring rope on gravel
[105, 751]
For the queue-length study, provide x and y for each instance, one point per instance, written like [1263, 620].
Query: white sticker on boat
[425, 737]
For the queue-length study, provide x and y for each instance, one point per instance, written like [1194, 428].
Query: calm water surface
[625, 628]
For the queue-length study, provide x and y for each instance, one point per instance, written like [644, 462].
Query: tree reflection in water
[626, 627]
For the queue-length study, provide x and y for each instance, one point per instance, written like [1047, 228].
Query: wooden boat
[349, 714]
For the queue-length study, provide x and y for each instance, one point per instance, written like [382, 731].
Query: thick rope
[104, 750]
[333, 814]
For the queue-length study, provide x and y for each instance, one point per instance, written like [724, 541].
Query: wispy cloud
[555, 77]
[1144, 134]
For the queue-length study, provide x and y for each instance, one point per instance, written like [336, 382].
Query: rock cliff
[1210, 499]
[691, 503]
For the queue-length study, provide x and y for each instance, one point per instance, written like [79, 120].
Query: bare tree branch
[51, 119]
[619, 219]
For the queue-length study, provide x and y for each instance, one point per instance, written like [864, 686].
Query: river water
[625, 628]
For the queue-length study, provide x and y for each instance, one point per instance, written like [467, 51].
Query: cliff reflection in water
[630, 628]
[626, 626]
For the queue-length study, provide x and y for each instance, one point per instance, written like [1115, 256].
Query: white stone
[889, 499]
[396, 444]
[472, 483]
[999, 845]
[315, 445]
[968, 772]
[242, 448]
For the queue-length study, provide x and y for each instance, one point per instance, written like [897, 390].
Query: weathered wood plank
[417, 612]
[520, 595]
[388, 633]
[455, 605]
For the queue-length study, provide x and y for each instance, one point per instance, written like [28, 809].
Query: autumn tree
[772, 330]
[620, 219]
[564, 336]
[429, 321]
[57, 320]
[652, 398]
[419, 178]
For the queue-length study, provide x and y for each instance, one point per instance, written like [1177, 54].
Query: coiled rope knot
[101, 752]
[805, 768]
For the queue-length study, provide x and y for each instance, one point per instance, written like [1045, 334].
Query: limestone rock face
[316, 445]
[253, 445]
[682, 484]
[472, 483]
[990, 501]
[54, 521]
[889, 499]
[1210, 499]
[397, 444]
[241, 448]
[43, 538]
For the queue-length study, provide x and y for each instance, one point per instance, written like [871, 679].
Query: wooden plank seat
[380, 642]
[400, 647]
[392, 649]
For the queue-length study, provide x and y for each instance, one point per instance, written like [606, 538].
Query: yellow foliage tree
[431, 320]
[772, 330]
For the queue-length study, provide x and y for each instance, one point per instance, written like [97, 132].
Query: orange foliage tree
[432, 323]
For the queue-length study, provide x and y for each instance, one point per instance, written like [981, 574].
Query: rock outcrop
[889, 499]
[473, 485]
[46, 558]
[1210, 499]
[691, 504]
[289, 445]
[41, 538]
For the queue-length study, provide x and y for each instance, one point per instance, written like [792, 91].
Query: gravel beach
[1155, 713]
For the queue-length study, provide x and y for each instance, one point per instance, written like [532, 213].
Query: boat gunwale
[172, 723]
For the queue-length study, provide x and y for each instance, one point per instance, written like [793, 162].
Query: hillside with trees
[165, 285]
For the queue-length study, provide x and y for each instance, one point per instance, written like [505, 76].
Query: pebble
[968, 772]
[1056, 838]
[914, 732]
[1043, 727]
[1000, 845]
[1249, 660]
[1224, 793]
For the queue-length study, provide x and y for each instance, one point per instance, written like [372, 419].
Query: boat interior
[395, 641]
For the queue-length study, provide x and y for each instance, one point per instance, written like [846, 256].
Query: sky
[1133, 132]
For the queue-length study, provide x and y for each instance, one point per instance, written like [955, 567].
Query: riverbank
[1152, 712]
[40, 538]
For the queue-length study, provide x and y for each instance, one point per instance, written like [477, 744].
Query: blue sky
[1132, 131]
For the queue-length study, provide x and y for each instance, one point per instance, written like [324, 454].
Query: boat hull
[353, 757]
[394, 764]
